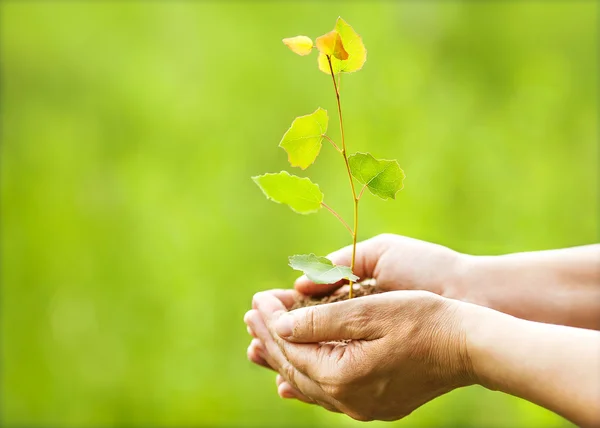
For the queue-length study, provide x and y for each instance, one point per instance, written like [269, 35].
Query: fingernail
[284, 326]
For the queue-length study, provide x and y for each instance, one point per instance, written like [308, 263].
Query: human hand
[406, 348]
[398, 263]
[524, 285]
[395, 262]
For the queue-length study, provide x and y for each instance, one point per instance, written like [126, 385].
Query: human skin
[558, 286]
[408, 347]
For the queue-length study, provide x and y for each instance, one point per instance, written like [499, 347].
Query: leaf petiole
[339, 217]
[332, 142]
[362, 191]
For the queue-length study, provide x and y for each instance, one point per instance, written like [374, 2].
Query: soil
[362, 289]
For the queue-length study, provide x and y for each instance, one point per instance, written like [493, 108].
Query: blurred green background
[132, 238]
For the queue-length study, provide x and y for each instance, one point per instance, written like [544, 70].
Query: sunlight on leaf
[303, 140]
[300, 45]
[302, 195]
[321, 270]
[353, 45]
[331, 44]
[382, 177]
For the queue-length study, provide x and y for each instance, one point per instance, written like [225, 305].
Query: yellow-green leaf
[300, 45]
[302, 195]
[353, 44]
[303, 140]
[383, 178]
[321, 270]
[331, 44]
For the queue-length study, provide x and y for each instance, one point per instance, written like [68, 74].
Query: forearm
[553, 366]
[557, 286]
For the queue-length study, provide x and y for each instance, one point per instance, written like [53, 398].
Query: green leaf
[382, 177]
[302, 195]
[353, 44]
[303, 140]
[321, 270]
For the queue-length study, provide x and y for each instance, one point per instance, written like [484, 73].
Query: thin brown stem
[345, 156]
[354, 235]
[362, 191]
[332, 142]
[339, 217]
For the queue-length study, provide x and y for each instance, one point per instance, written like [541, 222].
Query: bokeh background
[132, 238]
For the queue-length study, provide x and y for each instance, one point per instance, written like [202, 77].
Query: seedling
[340, 51]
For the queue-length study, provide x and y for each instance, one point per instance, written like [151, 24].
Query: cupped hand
[403, 349]
[397, 263]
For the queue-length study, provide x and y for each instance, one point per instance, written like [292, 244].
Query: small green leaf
[382, 177]
[321, 270]
[303, 140]
[353, 45]
[302, 195]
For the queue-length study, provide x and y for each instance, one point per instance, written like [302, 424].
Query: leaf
[353, 44]
[303, 140]
[382, 177]
[331, 44]
[321, 270]
[300, 45]
[302, 195]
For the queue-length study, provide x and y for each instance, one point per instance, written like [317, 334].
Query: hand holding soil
[381, 356]
[525, 285]
[370, 376]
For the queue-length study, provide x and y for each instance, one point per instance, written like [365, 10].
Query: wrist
[452, 349]
[461, 278]
[484, 330]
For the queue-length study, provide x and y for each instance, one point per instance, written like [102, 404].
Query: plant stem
[332, 142]
[332, 211]
[345, 156]
[362, 191]
[350, 292]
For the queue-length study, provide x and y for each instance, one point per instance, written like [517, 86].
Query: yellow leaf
[300, 45]
[331, 44]
[353, 45]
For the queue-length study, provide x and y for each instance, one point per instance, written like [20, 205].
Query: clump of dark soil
[359, 290]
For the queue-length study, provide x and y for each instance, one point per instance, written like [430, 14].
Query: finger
[262, 357]
[269, 305]
[317, 361]
[306, 287]
[256, 356]
[279, 379]
[285, 390]
[278, 361]
[250, 332]
[365, 265]
[287, 296]
[348, 319]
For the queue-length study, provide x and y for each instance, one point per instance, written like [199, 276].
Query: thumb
[367, 255]
[349, 319]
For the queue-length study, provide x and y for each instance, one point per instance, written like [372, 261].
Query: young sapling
[340, 51]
